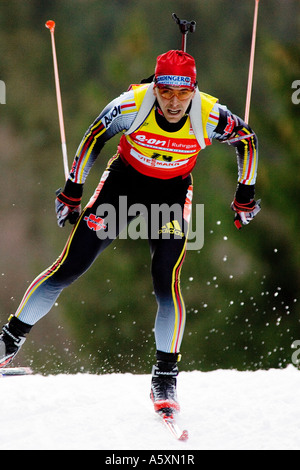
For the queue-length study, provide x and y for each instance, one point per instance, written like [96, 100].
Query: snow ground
[223, 410]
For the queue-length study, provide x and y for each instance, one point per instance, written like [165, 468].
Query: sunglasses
[168, 93]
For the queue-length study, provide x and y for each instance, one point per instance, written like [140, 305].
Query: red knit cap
[175, 68]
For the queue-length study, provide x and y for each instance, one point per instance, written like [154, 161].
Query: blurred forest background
[242, 288]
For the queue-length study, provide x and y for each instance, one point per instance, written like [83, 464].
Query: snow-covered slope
[221, 409]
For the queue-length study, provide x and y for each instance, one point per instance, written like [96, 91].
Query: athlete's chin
[173, 116]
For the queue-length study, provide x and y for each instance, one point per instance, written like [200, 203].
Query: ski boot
[163, 384]
[12, 338]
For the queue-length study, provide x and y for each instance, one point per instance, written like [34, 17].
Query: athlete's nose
[174, 101]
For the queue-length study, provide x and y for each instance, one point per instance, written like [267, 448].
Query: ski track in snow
[222, 410]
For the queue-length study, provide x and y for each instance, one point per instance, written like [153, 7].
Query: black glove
[244, 205]
[68, 203]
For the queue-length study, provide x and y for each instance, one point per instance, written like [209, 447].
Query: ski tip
[171, 424]
[184, 436]
[15, 371]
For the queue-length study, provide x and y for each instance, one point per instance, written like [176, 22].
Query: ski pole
[51, 26]
[237, 219]
[251, 66]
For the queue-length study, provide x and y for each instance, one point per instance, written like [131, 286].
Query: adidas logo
[173, 228]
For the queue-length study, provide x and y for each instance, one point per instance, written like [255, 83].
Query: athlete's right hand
[68, 203]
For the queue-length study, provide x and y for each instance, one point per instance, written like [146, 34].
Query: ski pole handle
[185, 28]
[237, 222]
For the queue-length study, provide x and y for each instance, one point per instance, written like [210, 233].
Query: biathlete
[165, 124]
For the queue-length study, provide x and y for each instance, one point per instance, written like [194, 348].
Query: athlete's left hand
[245, 212]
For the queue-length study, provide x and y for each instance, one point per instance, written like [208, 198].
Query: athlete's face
[173, 101]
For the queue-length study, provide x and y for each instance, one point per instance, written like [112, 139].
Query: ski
[171, 424]
[15, 371]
